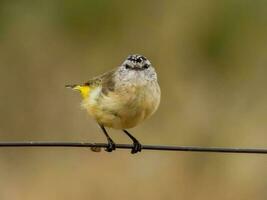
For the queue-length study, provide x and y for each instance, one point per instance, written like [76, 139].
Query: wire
[97, 147]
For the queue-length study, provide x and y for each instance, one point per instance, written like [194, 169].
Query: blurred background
[211, 61]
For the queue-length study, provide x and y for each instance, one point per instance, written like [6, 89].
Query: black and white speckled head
[137, 67]
[136, 62]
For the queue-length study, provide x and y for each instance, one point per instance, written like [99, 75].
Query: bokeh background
[211, 60]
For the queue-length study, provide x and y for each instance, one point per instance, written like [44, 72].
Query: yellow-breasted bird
[122, 97]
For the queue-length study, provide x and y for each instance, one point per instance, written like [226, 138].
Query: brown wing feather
[106, 80]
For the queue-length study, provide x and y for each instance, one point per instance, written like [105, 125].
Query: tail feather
[71, 86]
[83, 89]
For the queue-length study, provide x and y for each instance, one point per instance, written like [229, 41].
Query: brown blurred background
[211, 60]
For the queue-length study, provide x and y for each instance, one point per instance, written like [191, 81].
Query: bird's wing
[105, 80]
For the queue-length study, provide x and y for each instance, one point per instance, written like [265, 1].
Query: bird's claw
[111, 146]
[137, 147]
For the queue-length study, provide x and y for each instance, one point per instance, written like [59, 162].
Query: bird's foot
[137, 147]
[111, 145]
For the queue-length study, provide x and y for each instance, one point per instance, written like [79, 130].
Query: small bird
[122, 98]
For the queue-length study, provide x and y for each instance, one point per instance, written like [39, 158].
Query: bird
[122, 98]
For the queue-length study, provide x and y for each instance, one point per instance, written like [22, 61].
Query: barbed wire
[97, 147]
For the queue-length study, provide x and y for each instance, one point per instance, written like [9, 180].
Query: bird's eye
[127, 66]
[146, 66]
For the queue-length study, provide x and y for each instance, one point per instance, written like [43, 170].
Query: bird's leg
[137, 147]
[111, 145]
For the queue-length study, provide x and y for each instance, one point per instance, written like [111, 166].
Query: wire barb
[97, 147]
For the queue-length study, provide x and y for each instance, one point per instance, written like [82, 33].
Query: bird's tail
[83, 89]
[73, 86]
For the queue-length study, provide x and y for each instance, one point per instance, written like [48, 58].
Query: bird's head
[136, 62]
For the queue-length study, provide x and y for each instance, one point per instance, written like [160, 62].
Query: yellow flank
[84, 90]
